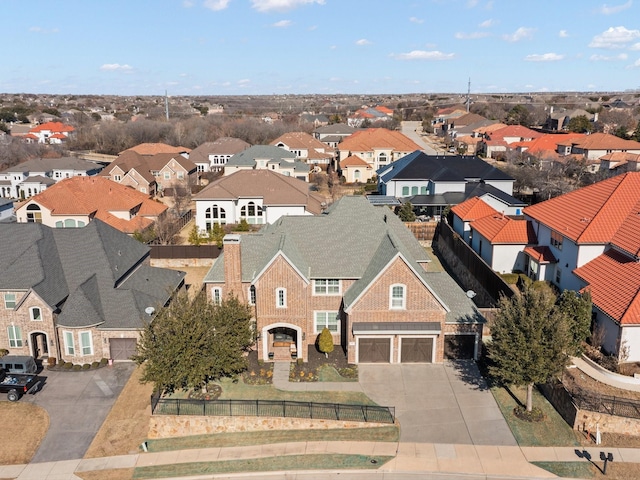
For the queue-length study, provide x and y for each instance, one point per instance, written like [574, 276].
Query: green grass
[239, 439]
[553, 431]
[567, 469]
[328, 373]
[269, 464]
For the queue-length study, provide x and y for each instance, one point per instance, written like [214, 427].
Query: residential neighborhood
[329, 276]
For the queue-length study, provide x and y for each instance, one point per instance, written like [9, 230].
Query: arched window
[382, 158]
[356, 175]
[35, 313]
[69, 223]
[414, 190]
[34, 215]
[214, 214]
[405, 191]
[397, 297]
[252, 213]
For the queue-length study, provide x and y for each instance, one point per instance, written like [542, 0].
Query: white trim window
[15, 336]
[36, 314]
[397, 297]
[9, 300]
[326, 319]
[252, 295]
[216, 295]
[326, 286]
[281, 298]
[86, 343]
[252, 213]
[69, 343]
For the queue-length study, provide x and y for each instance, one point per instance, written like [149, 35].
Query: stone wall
[165, 426]
[587, 421]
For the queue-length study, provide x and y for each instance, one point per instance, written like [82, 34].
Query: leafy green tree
[518, 115]
[529, 340]
[190, 342]
[621, 132]
[636, 133]
[576, 308]
[406, 213]
[580, 124]
[325, 342]
[243, 226]
[216, 234]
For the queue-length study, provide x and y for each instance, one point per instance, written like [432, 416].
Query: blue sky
[252, 47]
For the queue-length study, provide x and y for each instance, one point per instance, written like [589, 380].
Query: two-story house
[333, 134]
[34, 176]
[372, 289]
[307, 149]
[78, 294]
[50, 132]
[260, 157]
[378, 147]
[213, 156]
[74, 202]
[257, 196]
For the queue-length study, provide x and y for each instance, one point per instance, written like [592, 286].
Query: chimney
[233, 266]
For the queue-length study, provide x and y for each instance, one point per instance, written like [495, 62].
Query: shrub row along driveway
[77, 404]
[448, 403]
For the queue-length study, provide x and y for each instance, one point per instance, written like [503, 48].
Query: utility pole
[166, 104]
[468, 95]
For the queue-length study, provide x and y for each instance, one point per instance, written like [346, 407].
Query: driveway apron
[438, 403]
[77, 404]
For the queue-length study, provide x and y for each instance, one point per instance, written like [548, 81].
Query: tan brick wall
[587, 421]
[167, 426]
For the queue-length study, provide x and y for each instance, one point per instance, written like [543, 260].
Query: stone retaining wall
[587, 421]
[165, 426]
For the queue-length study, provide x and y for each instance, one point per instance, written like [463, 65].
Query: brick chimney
[233, 266]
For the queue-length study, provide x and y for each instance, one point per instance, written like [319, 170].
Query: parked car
[18, 364]
[15, 385]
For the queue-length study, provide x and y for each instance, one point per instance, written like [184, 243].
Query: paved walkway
[475, 461]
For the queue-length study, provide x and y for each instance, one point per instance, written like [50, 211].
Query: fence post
[364, 413]
[178, 405]
[284, 408]
[337, 409]
[311, 410]
[257, 408]
[204, 407]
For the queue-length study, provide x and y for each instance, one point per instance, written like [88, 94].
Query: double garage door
[122, 348]
[412, 350]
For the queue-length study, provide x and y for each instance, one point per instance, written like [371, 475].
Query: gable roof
[145, 164]
[377, 138]
[264, 152]
[354, 161]
[605, 141]
[513, 131]
[500, 229]
[52, 127]
[548, 143]
[473, 209]
[222, 146]
[272, 187]
[300, 140]
[336, 129]
[92, 273]
[50, 164]
[596, 214]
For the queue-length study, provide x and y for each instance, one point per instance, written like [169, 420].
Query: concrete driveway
[438, 403]
[77, 404]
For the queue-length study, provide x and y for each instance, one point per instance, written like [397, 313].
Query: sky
[266, 47]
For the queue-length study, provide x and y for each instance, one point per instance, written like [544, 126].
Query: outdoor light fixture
[606, 458]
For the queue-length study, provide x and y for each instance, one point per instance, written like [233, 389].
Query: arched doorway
[39, 343]
[281, 342]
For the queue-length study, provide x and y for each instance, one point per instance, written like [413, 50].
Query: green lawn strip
[239, 439]
[568, 469]
[328, 373]
[553, 431]
[268, 464]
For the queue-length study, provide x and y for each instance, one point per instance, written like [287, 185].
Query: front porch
[281, 343]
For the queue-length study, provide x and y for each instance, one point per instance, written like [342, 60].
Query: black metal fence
[272, 408]
[621, 407]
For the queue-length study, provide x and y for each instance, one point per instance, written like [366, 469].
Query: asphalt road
[409, 129]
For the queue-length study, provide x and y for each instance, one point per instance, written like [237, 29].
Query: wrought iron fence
[621, 407]
[272, 408]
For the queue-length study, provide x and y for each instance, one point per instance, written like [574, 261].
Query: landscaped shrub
[299, 361]
[95, 364]
[67, 365]
[86, 366]
[510, 278]
[104, 361]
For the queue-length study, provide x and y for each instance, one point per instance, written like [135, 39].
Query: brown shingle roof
[153, 148]
[373, 138]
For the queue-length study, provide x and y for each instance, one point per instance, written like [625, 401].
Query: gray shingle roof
[93, 273]
[248, 157]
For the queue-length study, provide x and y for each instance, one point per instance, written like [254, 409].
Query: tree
[576, 308]
[530, 339]
[621, 132]
[325, 342]
[636, 133]
[518, 115]
[194, 235]
[216, 234]
[190, 342]
[406, 213]
[580, 124]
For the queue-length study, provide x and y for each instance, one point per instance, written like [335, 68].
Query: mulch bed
[258, 372]
[308, 371]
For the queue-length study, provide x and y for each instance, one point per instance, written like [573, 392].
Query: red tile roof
[601, 213]
[605, 141]
[354, 161]
[473, 209]
[541, 254]
[614, 283]
[374, 138]
[549, 142]
[500, 229]
[514, 131]
[52, 127]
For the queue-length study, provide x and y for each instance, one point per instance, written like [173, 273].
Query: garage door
[122, 348]
[459, 347]
[374, 350]
[416, 350]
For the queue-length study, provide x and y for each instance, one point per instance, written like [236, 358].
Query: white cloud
[520, 34]
[563, 34]
[423, 55]
[605, 58]
[416, 20]
[281, 5]
[244, 81]
[545, 57]
[111, 67]
[216, 5]
[471, 36]
[614, 37]
[635, 46]
[609, 10]
[488, 23]
[187, 3]
[362, 42]
[282, 24]
[635, 64]
[43, 30]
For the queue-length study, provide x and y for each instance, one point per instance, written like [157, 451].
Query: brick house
[372, 289]
[78, 294]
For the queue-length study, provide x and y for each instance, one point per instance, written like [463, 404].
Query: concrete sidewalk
[482, 461]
